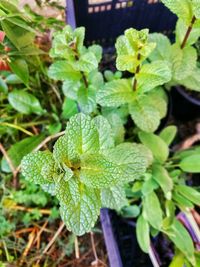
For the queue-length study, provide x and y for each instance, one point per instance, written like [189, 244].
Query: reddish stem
[188, 32]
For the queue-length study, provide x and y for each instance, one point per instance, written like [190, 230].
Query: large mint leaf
[106, 136]
[129, 45]
[99, 172]
[82, 135]
[79, 205]
[38, 167]
[62, 70]
[114, 197]
[163, 46]
[97, 51]
[70, 88]
[86, 98]
[193, 80]
[152, 75]
[86, 63]
[182, 8]
[145, 115]
[131, 160]
[159, 99]
[115, 93]
[183, 61]
[117, 127]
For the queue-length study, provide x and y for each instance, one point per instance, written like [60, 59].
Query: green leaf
[60, 150]
[62, 70]
[114, 197]
[149, 186]
[152, 75]
[161, 175]
[82, 135]
[163, 46]
[38, 167]
[152, 211]
[168, 134]
[191, 164]
[97, 51]
[20, 68]
[181, 201]
[142, 232]
[128, 47]
[130, 211]
[158, 147]
[79, 206]
[189, 193]
[157, 98]
[117, 127]
[86, 63]
[181, 238]
[178, 260]
[99, 172]
[70, 88]
[181, 29]
[69, 108]
[196, 8]
[3, 86]
[183, 61]
[19, 150]
[106, 137]
[86, 98]
[182, 8]
[131, 160]
[193, 80]
[115, 93]
[145, 115]
[13, 79]
[24, 102]
[170, 213]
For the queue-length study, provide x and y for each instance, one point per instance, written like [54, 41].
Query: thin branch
[76, 246]
[31, 238]
[188, 32]
[137, 71]
[48, 139]
[21, 208]
[51, 242]
[2, 149]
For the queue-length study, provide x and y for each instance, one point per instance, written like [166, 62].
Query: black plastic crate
[105, 20]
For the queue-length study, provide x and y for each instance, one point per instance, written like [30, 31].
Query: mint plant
[77, 67]
[86, 170]
[181, 55]
[162, 190]
[146, 100]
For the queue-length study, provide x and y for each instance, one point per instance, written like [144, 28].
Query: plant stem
[188, 32]
[137, 71]
[82, 73]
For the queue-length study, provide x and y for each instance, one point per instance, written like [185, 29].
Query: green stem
[188, 32]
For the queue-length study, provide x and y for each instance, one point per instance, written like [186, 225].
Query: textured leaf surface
[115, 93]
[131, 160]
[163, 46]
[181, 29]
[152, 211]
[152, 75]
[62, 70]
[24, 102]
[145, 116]
[114, 197]
[106, 136]
[38, 167]
[193, 80]
[99, 172]
[80, 206]
[182, 8]
[142, 232]
[87, 99]
[129, 45]
[183, 61]
[86, 63]
[82, 135]
[158, 147]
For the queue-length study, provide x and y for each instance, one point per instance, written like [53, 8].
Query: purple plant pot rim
[184, 93]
